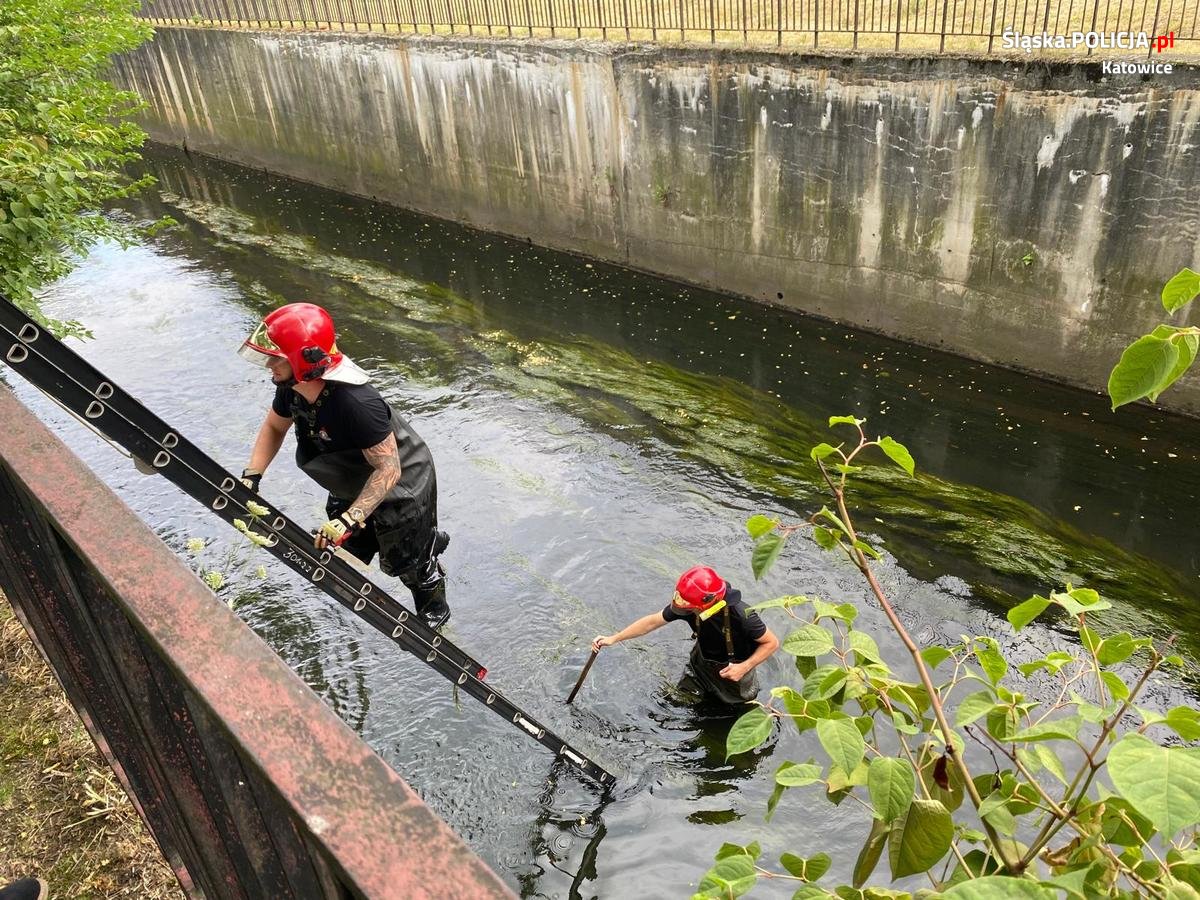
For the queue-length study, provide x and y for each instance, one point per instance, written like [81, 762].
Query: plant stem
[1012, 865]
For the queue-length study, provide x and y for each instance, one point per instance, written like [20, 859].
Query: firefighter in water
[731, 640]
[377, 470]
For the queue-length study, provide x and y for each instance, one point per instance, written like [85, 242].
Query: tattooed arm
[384, 458]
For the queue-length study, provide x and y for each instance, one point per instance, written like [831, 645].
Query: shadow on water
[596, 432]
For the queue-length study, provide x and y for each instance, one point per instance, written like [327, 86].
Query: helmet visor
[259, 348]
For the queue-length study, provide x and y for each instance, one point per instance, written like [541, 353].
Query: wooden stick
[582, 675]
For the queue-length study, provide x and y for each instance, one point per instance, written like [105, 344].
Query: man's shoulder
[355, 395]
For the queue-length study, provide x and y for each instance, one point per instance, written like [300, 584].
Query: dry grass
[63, 815]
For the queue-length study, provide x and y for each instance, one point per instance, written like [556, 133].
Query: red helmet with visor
[698, 588]
[302, 333]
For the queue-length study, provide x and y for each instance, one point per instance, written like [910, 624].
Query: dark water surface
[596, 432]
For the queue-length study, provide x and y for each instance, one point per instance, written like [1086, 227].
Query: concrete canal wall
[1022, 213]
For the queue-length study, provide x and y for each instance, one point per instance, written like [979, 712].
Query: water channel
[596, 432]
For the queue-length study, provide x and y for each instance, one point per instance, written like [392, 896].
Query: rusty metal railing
[252, 787]
[968, 25]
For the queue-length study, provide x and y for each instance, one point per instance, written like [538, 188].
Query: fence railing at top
[966, 25]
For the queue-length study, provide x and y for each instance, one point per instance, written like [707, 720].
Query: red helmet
[302, 333]
[699, 588]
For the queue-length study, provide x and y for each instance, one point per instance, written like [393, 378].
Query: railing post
[778, 23]
[1154, 27]
[680, 6]
[625, 15]
[942, 44]
[855, 24]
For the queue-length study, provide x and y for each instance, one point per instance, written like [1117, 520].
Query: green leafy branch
[1015, 821]
[1155, 361]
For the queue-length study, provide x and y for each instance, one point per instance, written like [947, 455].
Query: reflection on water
[596, 432]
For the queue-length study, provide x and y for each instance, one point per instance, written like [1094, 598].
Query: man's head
[297, 343]
[698, 589]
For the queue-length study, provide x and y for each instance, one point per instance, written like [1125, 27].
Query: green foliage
[1155, 361]
[952, 802]
[225, 573]
[65, 138]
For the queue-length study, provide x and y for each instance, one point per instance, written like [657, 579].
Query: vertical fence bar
[942, 44]
[855, 24]
[778, 23]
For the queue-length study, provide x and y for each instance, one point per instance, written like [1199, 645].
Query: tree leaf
[891, 783]
[732, 876]
[781, 602]
[809, 869]
[868, 856]
[974, 706]
[920, 838]
[821, 451]
[811, 640]
[748, 732]
[1162, 783]
[1117, 648]
[1024, 613]
[1049, 759]
[842, 741]
[1185, 722]
[824, 537]
[1187, 344]
[898, 454]
[991, 660]
[867, 549]
[792, 774]
[1000, 887]
[935, 656]
[1143, 368]
[759, 525]
[864, 645]
[1180, 290]
[845, 420]
[766, 551]
[1064, 728]
[1071, 601]
[754, 851]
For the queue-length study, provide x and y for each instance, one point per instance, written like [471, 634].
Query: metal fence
[969, 25]
[250, 784]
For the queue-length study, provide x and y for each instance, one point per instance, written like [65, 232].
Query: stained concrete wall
[1019, 213]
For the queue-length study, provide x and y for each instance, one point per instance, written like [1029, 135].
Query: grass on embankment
[63, 815]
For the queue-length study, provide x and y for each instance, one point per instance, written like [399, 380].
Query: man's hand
[735, 671]
[337, 531]
[602, 641]
[251, 478]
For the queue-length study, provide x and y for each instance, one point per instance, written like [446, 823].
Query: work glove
[251, 478]
[337, 531]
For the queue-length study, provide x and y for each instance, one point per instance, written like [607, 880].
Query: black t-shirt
[333, 430]
[348, 417]
[745, 627]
